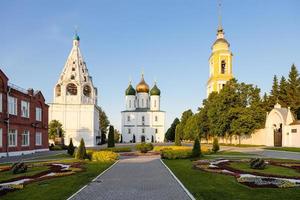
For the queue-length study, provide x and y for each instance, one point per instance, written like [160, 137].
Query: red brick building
[23, 120]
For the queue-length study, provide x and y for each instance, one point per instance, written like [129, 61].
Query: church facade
[220, 63]
[142, 121]
[75, 101]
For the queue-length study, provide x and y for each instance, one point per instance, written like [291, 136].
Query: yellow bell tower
[220, 62]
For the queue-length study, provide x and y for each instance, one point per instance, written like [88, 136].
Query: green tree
[111, 140]
[282, 96]
[71, 148]
[216, 146]
[103, 123]
[55, 129]
[191, 128]
[117, 136]
[81, 151]
[274, 95]
[170, 134]
[180, 127]
[196, 152]
[293, 89]
[177, 137]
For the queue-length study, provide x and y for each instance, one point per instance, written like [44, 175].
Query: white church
[75, 101]
[143, 121]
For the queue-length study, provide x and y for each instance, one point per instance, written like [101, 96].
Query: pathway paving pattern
[142, 178]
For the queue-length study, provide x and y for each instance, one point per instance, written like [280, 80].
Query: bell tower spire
[220, 31]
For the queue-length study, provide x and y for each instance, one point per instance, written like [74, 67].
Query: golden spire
[220, 32]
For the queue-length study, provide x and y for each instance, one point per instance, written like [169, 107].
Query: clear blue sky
[169, 39]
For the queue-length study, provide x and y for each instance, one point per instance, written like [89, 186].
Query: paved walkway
[134, 178]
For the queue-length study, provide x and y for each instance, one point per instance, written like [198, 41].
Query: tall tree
[274, 95]
[170, 134]
[111, 139]
[104, 123]
[191, 129]
[180, 127]
[117, 136]
[55, 129]
[282, 96]
[293, 89]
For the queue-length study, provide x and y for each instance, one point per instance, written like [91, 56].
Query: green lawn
[232, 153]
[210, 186]
[58, 188]
[292, 149]
[241, 145]
[270, 169]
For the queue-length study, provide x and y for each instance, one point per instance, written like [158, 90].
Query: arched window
[71, 89]
[87, 91]
[58, 90]
[223, 67]
[129, 103]
[72, 77]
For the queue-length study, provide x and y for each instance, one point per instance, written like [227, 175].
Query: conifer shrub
[81, 151]
[196, 152]
[216, 146]
[71, 148]
[111, 137]
[257, 163]
[19, 168]
[144, 147]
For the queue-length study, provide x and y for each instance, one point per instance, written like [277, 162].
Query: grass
[291, 149]
[211, 186]
[240, 145]
[60, 187]
[57, 156]
[270, 169]
[232, 153]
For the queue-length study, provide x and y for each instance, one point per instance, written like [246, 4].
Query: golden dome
[142, 86]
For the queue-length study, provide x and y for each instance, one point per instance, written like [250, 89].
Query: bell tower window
[58, 90]
[72, 77]
[71, 89]
[87, 91]
[223, 67]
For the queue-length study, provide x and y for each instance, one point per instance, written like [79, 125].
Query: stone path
[134, 178]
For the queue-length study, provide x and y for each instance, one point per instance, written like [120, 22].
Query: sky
[169, 40]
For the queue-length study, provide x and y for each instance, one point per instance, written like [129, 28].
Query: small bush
[81, 151]
[117, 149]
[175, 154]
[216, 146]
[71, 148]
[196, 152]
[257, 163]
[19, 168]
[144, 147]
[102, 156]
[55, 148]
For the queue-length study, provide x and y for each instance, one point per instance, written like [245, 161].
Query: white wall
[79, 121]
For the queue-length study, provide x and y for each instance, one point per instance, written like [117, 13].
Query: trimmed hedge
[144, 147]
[161, 148]
[102, 156]
[117, 149]
[175, 154]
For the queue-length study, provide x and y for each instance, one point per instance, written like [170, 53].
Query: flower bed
[55, 170]
[103, 156]
[251, 179]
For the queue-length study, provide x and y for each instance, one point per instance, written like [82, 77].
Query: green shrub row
[144, 147]
[117, 149]
[175, 154]
[102, 156]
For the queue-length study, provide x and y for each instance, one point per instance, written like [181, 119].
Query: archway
[278, 136]
[143, 139]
